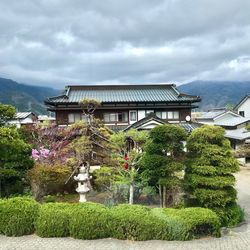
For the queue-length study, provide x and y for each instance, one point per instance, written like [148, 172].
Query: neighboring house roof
[241, 101]
[122, 94]
[234, 121]
[23, 115]
[211, 114]
[238, 134]
[215, 114]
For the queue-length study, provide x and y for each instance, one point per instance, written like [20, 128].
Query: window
[74, 117]
[171, 115]
[176, 115]
[115, 117]
[242, 113]
[133, 116]
[162, 115]
[123, 117]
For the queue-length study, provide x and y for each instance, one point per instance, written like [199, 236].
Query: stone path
[237, 239]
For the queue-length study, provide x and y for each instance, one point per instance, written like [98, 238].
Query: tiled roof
[211, 114]
[22, 115]
[189, 126]
[238, 134]
[123, 93]
[234, 121]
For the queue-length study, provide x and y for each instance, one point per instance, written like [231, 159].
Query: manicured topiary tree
[163, 159]
[209, 173]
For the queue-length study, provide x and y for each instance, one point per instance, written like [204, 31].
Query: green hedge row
[20, 216]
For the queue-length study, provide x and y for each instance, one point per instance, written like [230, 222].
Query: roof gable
[243, 100]
[146, 122]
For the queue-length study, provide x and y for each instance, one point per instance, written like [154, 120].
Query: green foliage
[17, 216]
[231, 215]
[163, 154]
[47, 179]
[93, 102]
[20, 216]
[209, 173]
[53, 219]
[189, 223]
[90, 221]
[7, 112]
[134, 222]
[15, 160]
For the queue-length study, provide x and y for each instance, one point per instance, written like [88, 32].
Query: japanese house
[123, 105]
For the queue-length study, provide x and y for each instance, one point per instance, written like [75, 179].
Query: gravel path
[237, 239]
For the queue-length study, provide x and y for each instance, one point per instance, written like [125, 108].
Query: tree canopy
[7, 112]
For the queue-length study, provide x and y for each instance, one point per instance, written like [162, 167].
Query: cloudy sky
[60, 42]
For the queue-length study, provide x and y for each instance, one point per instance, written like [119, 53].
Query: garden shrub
[134, 222]
[48, 179]
[230, 215]
[17, 216]
[90, 221]
[189, 223]
[53, 219]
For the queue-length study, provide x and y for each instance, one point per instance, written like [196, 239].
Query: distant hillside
[213, 93]
[217, 93]
[25, 97]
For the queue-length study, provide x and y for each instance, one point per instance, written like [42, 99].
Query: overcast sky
[61, 42]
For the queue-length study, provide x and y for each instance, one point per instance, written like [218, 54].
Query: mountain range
[25, 97]
[214, 94]
[217, 94]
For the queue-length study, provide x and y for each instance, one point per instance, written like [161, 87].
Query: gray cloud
[59, 42]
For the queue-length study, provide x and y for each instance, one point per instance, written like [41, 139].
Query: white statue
[83, 182]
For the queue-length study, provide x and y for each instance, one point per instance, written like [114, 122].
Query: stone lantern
[83, 183]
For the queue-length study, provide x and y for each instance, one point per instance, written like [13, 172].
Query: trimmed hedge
[20, 216]
[90, 221]
[189, 223]
[17, 216]
[53, 219]
[135, 222]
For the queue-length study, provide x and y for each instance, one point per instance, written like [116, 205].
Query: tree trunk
[131, 194]
[164, 196]
[160, 194]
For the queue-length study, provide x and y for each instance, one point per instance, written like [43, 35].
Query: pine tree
[209, 177]
[163, 159]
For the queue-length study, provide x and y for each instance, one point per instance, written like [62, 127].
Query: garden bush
[21, 216]
[90, 221]
[230, 215]
[53, 219]
[48, 179]
[17, 216]
[189, 223]
[134, 222]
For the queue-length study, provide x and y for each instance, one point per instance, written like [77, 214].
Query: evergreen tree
[163, 159]
[209, 173]
[15, 160]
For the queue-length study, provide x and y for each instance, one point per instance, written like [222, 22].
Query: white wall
[245, 106]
